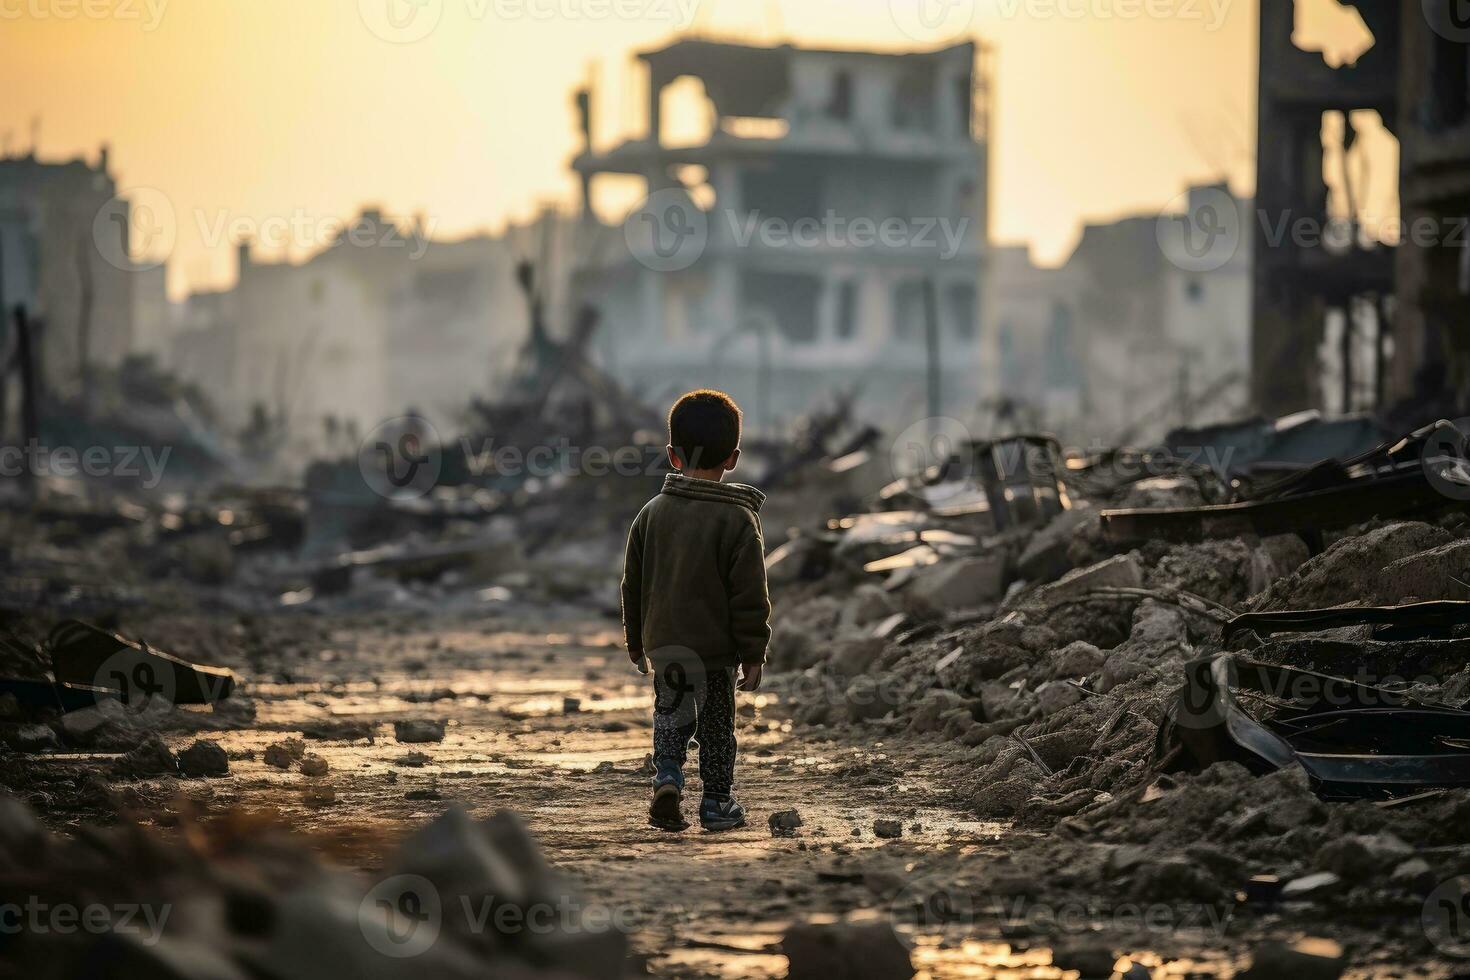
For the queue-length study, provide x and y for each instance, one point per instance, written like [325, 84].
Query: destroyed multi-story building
[1353, 319]
[1133, 334]
[65, 256]
[838, 202]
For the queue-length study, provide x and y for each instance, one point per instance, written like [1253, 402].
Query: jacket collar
[726, 493]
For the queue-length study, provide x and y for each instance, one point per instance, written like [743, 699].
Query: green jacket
[694, 576]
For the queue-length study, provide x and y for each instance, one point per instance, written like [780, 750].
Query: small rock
[314, 765]
[856, 950]
[150, 758]
[412, 760]
[30, 738]
[318, 795]
[1359, 856]
[784, 823]
[1416, 875]
[1089, 960]
[1306, 959]
[1311, 886]
[204, 758]
[285, 753]
[419, 730]
[887, 829]
[569, 706]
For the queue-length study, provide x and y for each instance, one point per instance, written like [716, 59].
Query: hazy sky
[285, 115]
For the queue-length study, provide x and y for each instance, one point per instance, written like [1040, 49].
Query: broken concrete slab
[1120, 571]
[965, 583]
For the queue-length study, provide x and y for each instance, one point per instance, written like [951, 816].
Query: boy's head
[704, 433]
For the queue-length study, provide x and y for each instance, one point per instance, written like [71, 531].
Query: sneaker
[664, 811]
[720, 814]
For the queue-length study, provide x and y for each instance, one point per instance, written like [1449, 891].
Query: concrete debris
[962, 584]
[862, 949]
[419, 730]
[285, 753]
[1305, 959]
[887, 829]
[784, 823]
[151, 758]
[204, 758]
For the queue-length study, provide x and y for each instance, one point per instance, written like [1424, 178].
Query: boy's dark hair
[704, 428]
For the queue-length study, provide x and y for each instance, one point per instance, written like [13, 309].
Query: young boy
[695, 603]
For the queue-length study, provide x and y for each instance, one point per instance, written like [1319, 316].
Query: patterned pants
[690, 702]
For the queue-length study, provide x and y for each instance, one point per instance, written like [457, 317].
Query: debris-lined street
[979, 748]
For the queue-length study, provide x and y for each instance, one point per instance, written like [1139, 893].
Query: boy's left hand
[750, 676]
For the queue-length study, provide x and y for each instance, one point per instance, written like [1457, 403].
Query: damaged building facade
[1139, 331]
[382, 322]
[65, 256]
[843, 144]
[1357, 323]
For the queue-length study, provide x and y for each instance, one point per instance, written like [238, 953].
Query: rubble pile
[235, 898]
[1047, 660]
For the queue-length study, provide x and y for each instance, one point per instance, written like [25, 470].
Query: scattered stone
[150, 758]
[419, 795]
[285, 753]
[1311, 886]
[313, 765]
[1119, 571]
[1091, 961]
[337, 730]
[887, 829]
[412, 760]
[418, 730]
[866, 949]
[1306, 959]
[204, 758]
[964, 583]
[318, 795]
[30, 738]
[1357, 856]
[784, 823]
[569, 706]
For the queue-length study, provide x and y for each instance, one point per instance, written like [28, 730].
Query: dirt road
[546, 717]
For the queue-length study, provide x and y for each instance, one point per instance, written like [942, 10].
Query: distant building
[1134, 334]
[843, 200]
[64, 254]
[381, 322]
